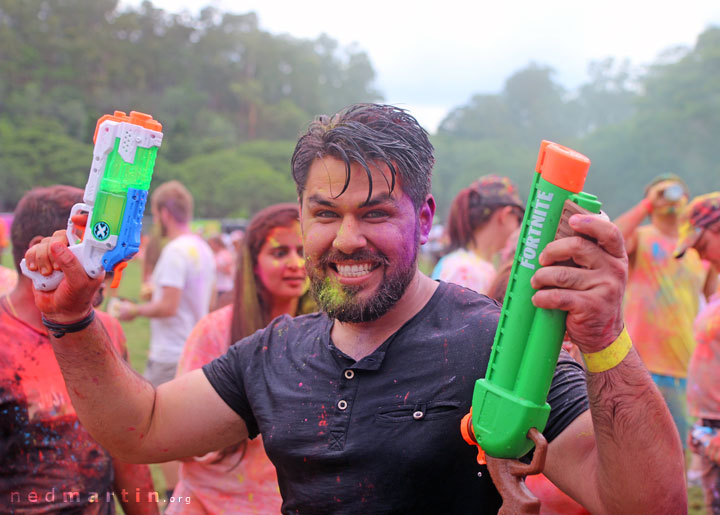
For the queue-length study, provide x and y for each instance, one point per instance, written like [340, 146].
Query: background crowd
[203, 296]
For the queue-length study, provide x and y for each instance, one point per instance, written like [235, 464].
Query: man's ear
[35, 241]
[425, 218]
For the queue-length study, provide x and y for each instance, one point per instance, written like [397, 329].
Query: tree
[38, 153]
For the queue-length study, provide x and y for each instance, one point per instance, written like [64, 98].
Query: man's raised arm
[119, 408]
[624, 456]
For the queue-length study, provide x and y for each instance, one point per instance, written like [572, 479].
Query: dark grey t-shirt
[379, 435]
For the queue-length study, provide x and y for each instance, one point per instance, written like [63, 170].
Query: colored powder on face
[331, 294]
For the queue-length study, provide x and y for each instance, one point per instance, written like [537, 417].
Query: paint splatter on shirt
[703, 389]
[661, 302]
[48, 462]
[380, 434]
[466, 269]
[243, 482]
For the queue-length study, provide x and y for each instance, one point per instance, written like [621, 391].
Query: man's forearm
[112, 401]
[151, 310]
[640, 462]
[133, 487]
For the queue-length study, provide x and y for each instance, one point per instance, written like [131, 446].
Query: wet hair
[367, 133]
[41, 212]
[176, 199]
[251, 300]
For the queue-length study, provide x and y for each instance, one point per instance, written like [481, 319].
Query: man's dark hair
[363, 133]
[41, 212]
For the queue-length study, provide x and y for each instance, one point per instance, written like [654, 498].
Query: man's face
[360, 255]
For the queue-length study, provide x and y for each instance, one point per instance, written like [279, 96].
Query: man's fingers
[69, 264]
[583, 252]
[43, 260]
[556, 299]
[607, 235]
[563, 277]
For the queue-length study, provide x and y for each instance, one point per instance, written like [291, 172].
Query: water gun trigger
[79, 222]
[468, 434]
[117, 274]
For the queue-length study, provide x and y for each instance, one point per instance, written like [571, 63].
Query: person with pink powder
[700, 230]
[663, 294]
[270, 281]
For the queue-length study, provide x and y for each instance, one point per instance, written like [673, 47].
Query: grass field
[137, 333]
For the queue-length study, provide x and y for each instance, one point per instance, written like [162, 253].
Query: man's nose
[349, 237]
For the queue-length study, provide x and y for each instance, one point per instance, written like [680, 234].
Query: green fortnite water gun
[115, 197]
[512, 397]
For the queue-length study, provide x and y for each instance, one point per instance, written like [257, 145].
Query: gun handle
[42, 282]
[50, 282]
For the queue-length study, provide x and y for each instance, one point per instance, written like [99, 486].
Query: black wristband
[59, 330]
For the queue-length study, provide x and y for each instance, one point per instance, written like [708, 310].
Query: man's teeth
[354, 270]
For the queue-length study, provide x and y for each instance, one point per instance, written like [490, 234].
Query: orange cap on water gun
[136, 118]
[562, 166]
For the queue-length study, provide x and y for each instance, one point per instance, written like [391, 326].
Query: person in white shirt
[183, 281]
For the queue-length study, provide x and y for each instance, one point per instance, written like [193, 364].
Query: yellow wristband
[610, 356]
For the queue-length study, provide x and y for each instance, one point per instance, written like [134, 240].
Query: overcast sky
[432, 56]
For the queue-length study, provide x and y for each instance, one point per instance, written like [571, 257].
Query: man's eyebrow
[317, 199]
[383, 198]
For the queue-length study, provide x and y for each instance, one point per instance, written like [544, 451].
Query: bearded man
[359, 406]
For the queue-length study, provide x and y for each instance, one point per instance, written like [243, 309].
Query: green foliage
[232, 183]
[460, 161]
[38, 153]
[215, 80]
[233, 98]
[633, 126]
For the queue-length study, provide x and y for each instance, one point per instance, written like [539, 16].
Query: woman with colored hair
[482, 218]
[270, 281]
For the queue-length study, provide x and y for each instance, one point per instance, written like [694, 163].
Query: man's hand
[126, 311]
[591, 293]
[657, 198]
[73, 298]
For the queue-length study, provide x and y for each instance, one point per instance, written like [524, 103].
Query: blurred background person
[45, 453]
[482, 217]
[236, 240]
[183, 280]
[700, 230]
[224, 268]
[153, 245]
[270, 281]
[663, 294]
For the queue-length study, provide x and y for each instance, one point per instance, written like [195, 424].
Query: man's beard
[342, 302]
